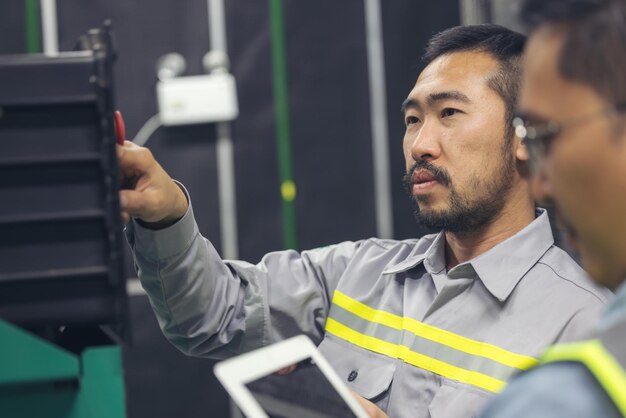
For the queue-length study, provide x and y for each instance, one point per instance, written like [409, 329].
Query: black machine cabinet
[60, 230]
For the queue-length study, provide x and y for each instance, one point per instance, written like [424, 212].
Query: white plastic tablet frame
[236, 372]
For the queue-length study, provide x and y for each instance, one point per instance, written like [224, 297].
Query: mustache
[440, 174]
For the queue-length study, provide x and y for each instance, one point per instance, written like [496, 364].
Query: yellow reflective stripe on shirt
[416, 359]
[444, 363]
[437, 335]
[610, 374]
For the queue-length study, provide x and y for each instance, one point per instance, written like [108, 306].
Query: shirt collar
[500, 268]
[503, 266]
[417, 256]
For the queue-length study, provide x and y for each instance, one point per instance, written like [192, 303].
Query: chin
[427, 205]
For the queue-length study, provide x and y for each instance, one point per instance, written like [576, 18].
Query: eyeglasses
[538, 136]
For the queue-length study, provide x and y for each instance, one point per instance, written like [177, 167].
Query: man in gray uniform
[572, 111]
[429, 327]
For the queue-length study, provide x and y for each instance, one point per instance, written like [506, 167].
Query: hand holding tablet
[311, 390]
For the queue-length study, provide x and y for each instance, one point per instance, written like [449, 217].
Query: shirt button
[353, 374]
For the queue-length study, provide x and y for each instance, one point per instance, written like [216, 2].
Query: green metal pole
[285, 166]
[33, 44]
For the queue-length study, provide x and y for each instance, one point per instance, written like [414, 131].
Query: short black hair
[503, 44]
[594, 49]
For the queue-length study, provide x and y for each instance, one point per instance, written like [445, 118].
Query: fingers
[163, 202]
[372, 410]
[134, 159]
[138, 168]
[286, 370]
[133, 202]
[146, 205]
[148, 192]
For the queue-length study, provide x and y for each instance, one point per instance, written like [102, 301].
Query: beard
[467, 212]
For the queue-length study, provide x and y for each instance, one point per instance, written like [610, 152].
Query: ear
[521, 151]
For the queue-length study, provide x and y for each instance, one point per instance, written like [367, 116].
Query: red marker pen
[120, 129]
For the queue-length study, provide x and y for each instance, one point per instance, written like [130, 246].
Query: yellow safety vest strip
[416, 359]
[437, 335]
[599, 361]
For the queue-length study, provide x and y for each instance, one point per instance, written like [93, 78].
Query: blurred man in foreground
[572, 116]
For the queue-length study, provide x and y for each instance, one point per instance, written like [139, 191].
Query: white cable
[147, 130]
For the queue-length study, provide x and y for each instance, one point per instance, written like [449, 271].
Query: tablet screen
[303, 393]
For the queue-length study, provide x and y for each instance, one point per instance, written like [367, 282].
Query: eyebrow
[434, 98]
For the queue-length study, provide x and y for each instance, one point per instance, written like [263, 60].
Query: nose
[424, 144]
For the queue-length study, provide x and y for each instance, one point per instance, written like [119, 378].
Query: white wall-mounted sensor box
[197, 99]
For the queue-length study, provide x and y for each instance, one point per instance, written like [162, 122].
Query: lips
[422, 182]
[422, 176]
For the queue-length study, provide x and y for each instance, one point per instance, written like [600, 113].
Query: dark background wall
[330, 127]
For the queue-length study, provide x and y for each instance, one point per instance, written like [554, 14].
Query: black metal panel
[68, 186]
[51, 132]
[60, 228]
[39, 79]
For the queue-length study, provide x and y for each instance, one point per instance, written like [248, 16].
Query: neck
[518, 213]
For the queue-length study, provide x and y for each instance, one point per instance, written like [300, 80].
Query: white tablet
[312, 390]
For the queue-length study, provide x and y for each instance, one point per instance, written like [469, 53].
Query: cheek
[475, 169]
[567, 184]
[473, 147]
[567, 167]
[581, 187]
[582, 163]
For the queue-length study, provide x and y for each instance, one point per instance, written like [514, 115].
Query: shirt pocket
[367, 373]
[457, 401]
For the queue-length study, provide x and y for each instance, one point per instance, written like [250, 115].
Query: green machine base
[41, 380]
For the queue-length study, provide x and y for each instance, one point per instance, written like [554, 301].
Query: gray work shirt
[400, 330]
[564, 389]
